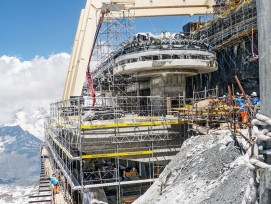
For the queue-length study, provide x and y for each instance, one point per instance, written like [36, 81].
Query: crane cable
[88, 73]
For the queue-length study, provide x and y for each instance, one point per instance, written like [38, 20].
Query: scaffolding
[210, 93]
[233, 36]
[118, 27]
[122, 142]
[234, 23]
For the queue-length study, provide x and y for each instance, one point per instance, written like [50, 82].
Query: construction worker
[130, 173]
[223, 98]
[54, 183]
[240, 101]
[254, 99]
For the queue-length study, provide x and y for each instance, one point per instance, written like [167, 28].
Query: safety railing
[206, 93]
[72, 113]
[103, 176]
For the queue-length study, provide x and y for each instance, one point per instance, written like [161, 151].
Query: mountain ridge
[20, 155]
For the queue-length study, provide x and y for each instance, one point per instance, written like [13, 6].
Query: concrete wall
[264, 27]
[168, 85]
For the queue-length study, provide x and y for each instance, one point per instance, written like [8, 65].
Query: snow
[14, 194]
[4, 141]
[31, 121]
[18, 151]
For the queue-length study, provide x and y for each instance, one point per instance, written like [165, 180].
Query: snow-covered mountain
[19, 161]
[31, 120]
[19, 151]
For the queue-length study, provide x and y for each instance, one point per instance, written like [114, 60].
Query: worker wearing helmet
[254, 99]
[240, 101]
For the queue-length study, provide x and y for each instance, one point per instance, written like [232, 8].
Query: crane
[90, 22]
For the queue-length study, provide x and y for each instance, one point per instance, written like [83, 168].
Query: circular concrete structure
[159, 65]
[159, 62]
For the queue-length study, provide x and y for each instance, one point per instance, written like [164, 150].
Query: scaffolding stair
[43, 192]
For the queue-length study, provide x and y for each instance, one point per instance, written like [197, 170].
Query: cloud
[30, 84]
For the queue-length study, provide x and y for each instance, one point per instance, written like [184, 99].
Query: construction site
[132, 99]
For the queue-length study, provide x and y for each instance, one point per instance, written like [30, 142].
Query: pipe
[256, 122]
[263, 118]
[260, 164]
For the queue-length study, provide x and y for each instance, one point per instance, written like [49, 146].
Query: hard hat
[224, 96]
[254, 93]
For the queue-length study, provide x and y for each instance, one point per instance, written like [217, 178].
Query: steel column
[264, 35]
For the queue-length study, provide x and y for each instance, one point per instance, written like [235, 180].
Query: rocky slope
[208, 169]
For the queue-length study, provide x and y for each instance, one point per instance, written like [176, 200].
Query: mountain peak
[19, 150]
[31, 120]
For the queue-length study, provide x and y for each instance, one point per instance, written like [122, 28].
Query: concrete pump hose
[260, 164]
[263, 135]
[256, 131]
[247, 157]
[263, 118]
[258, 122]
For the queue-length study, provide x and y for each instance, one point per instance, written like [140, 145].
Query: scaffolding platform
[43, 192]
[103, 150]
[121, 183]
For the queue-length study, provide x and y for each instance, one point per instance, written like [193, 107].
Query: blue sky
[46, 27]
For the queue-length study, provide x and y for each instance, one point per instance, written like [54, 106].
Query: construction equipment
[90, 22]
[88, 73]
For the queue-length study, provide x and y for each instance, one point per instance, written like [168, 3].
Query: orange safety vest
[244, 116]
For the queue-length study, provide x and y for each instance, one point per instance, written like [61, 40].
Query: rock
[203, 182]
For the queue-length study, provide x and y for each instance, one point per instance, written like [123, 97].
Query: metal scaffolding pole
[264, 30]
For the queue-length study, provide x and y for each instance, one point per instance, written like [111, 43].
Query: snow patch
[4, 141]
[14, 194]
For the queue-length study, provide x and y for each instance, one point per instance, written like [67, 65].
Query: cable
[155, 32]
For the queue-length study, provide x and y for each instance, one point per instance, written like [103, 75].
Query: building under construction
[233, 35]
[118, 126]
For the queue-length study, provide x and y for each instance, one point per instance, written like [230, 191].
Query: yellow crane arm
[141, 8]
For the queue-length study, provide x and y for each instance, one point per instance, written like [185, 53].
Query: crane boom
[89, 20]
